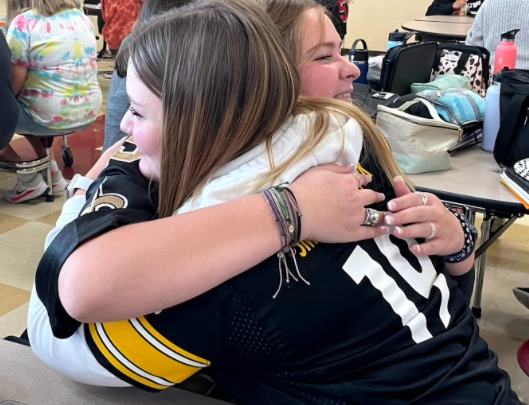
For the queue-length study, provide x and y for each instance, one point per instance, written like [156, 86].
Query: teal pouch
[458, 106]
[443, 82]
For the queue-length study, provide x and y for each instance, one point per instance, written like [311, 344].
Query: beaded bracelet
[471, 235]
[284, 208]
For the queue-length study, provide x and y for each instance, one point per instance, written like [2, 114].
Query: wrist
[469, 244]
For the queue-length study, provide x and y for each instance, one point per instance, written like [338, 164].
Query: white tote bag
[418, 144]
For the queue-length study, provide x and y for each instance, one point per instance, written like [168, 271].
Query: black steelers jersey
[375, 324]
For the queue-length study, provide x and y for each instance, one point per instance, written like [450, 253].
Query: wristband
[471, 235]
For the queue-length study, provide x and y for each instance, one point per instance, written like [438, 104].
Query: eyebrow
[324, 45]
[131, 100]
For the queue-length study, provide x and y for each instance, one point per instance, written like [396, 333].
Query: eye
[133, 112]
[325, 57]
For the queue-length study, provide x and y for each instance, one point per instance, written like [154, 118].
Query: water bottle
[395, 38]
[360, 57]
[505, 55]
[491, 124]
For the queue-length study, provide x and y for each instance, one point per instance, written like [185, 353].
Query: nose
[127, 123]
[349, 70]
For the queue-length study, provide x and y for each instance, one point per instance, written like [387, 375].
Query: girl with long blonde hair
[357, 322]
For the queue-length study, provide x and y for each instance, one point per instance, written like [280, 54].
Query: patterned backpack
[473, 62]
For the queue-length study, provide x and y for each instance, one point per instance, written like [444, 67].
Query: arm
[18, 77]
[442, 7]
[189, 258]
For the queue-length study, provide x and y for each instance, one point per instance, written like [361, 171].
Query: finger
[419, 230]
[412, 216]
[411, 200]
[363, 179]
[369, 197]
[400, 187]
[370, 232]
[431, 247]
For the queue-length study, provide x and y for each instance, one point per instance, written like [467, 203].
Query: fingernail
[398, 230]
[381, 197]
[384, 230]
[369, 179]
[392, 206]
[389, 219]
[417, 248]
[398, 178]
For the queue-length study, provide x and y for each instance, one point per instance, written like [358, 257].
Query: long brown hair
[227, 85]
[288, 16]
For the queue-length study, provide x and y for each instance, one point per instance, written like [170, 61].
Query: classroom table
[450, 19]
[438, 31]
[473, 183]
[25, 379]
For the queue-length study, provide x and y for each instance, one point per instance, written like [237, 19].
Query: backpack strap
[461, 63]
[508, 123]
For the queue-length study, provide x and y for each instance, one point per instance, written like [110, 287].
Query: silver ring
[372, 217]
[358, 178]
[432, 234]
[424, 198]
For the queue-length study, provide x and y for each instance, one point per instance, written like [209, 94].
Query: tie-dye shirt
[61, 89]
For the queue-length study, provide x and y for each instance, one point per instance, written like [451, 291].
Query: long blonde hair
[288, 16]
[43, 7]
[227, 85]
[16, 7]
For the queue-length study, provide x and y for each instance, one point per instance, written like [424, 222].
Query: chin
[147, 169]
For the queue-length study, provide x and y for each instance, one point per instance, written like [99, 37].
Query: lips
[343, 96]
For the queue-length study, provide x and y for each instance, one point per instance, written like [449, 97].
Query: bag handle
[357, 41]
[431, 108]
[410, 35]
[518, 104]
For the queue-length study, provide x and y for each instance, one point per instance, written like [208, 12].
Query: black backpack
[512, 142]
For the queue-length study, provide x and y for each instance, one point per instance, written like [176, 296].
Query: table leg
[480, 274]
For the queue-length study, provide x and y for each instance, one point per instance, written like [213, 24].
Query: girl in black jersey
[377, 324]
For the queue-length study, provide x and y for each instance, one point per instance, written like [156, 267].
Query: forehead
[313, 32]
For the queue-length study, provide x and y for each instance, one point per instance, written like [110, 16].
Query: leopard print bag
[473, 62]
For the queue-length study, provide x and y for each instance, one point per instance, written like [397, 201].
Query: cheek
[316, 82]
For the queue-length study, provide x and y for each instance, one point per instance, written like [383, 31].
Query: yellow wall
[373, 20]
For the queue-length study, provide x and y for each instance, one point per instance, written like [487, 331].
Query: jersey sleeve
[119, 197]
[159, 350]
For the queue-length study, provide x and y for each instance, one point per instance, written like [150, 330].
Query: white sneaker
[24, 191]
[59, 186]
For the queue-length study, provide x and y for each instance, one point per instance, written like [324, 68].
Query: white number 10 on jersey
[360, 265]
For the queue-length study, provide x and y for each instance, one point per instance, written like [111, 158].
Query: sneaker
[59, 186]
[522, 295]
[23, 192]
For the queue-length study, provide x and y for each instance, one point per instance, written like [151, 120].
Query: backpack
[512, 142]
[473, 62]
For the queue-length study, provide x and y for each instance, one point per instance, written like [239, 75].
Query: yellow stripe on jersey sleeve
[137, 350]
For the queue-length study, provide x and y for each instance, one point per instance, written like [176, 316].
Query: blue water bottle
[491, 124]
[395, 38]
[360, 57]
